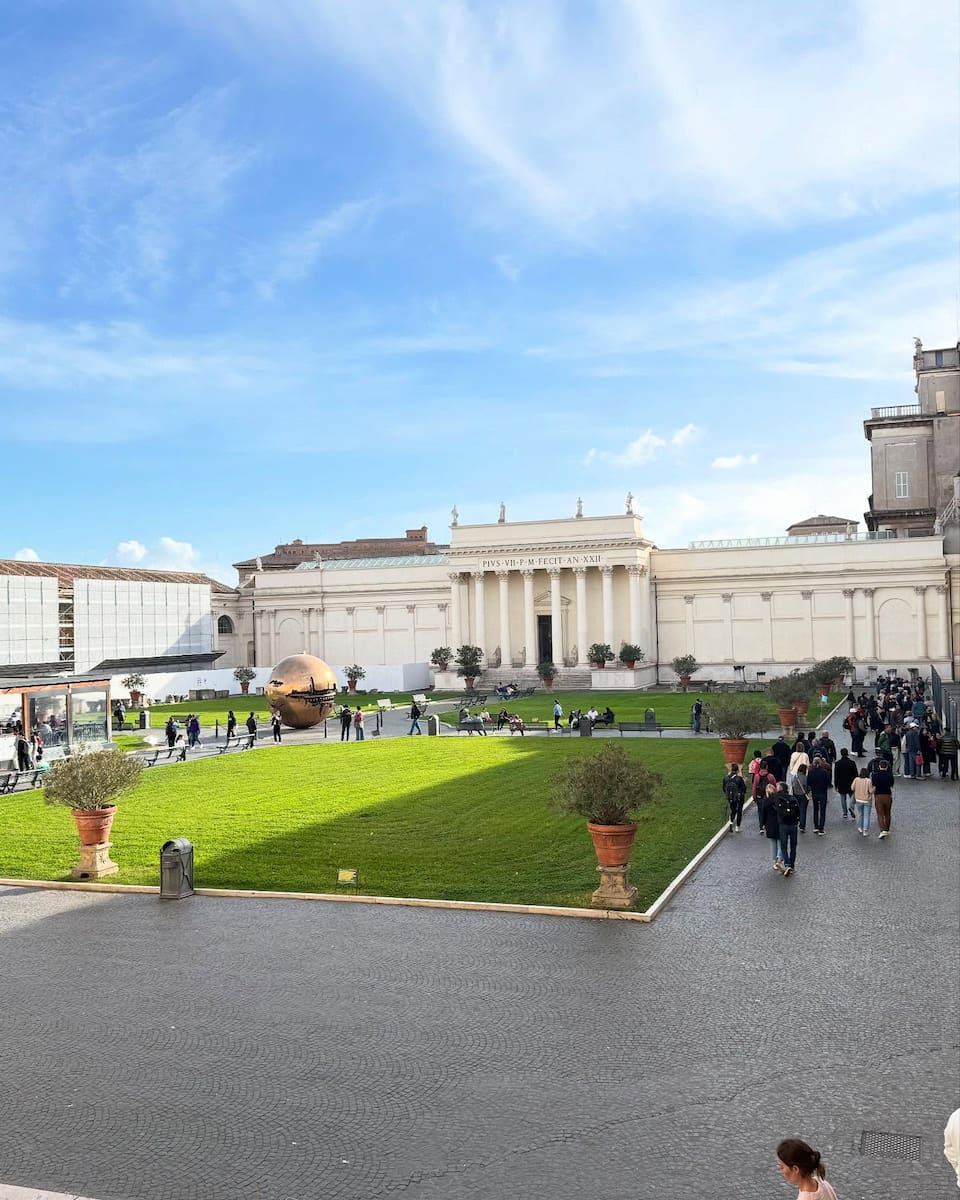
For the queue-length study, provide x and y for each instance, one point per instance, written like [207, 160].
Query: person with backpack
[818, 781]
[788, 818]
[770, 823]
[346, 720]
[801, 790]
[844, 773]
[761, 780]
[697, 712]
[863, 798]
[798, 758]
[735, 789]
[276, 721]
[415, 712]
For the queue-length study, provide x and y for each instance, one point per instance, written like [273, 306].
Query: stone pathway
[217, 1048]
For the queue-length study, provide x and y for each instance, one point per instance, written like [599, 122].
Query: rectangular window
[902, 484]
[938, 358]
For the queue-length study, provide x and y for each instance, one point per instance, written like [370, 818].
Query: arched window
[224, 625]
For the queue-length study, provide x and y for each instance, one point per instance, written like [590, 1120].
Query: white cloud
[732, 461]
[295, 255]
[131, 552]
[177, 556]
[27, 554]
[645, 448]
[683, 437]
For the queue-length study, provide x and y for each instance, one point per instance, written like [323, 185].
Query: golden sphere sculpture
[302, 689]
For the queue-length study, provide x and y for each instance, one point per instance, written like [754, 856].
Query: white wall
[29, 619]
[131, 619]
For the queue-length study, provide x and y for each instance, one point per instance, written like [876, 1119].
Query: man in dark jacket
[818, 780]
[844, 773]
[770, 822]
[773, 764]
[346, 719]
[910, 751]
[781, 748]
[735, 789]
[948, 754]
[760, 781]
[882, 780]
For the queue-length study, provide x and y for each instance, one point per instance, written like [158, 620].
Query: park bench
[244, 741]
[11, 780]
[152, 757]
[641, 727]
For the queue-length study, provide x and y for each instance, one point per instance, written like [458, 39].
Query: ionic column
[808, 596]
[943, 621]
[921, 594]
[727, 598]
[479, 608]
[455, 611]
[529, 619]
[506, 657]
[381, 633]
[580, 573]
[851, 636]
[606, 579]
[306, 616]
[871, 647]
[634, 574]
[259, 649]
[351, 637]
[690, 631]
[442, 608]
[272, 635]
[767, 598]
[556, 625]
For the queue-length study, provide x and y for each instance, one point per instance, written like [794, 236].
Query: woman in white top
[798, 756]
[800, 1164]
[863, 799]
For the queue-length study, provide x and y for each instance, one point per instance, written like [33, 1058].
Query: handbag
[919, 759]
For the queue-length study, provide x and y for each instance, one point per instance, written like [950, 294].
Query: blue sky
[322, 270]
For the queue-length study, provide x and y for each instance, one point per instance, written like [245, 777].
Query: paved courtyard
[283, 1050]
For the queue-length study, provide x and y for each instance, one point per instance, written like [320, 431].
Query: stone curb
[9, 1192]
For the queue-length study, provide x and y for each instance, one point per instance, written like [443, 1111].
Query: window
[901, 482]
[225, 625]
[938, 358]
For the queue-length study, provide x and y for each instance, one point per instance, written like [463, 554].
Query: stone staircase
[576, 679]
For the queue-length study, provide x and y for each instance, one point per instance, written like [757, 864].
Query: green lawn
[456, 819]
[210, 711]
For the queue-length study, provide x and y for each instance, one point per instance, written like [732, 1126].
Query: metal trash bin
[586, 729]
[143, 721]
[650, 716]
[433, 726]
[176, 869]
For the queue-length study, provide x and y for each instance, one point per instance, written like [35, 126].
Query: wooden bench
[246, 741]
[640, 727]
[152, 757]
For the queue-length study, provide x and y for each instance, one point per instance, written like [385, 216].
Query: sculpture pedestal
[615, 890]
[95, 862]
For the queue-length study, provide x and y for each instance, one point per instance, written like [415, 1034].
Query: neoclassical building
[525, 591]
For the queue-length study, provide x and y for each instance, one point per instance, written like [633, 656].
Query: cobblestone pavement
[217, 1048]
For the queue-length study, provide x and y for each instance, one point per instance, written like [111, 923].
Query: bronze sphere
[302, 689]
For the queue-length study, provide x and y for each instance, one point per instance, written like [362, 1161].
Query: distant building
[820, 524]
[289, 555]
[915, 449]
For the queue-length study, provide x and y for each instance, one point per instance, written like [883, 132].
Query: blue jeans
[804, 802]
[775, 847]
[844, 797]
[863, 816]
[358, 733]
[788, 844]
[910, 764]
[819, 809]
[696, 724]
[415, 725]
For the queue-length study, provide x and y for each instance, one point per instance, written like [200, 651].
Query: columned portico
[556, 626]
[479, 608]
[606, 579]
[580, 574]
[506, 655]
[456, 628]
[529, 620]
[635, 574]
[921, 594]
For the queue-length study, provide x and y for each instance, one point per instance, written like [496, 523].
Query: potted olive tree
[134, 684]
[89, 783]
[599, 655]
[354, 674]
[609, 789]
[733, 716]
[785, 691]
[243, 676]
[468, 659]
[548, 673]
[685, 665]
[630, 655]
[831, 671]
[440, 657]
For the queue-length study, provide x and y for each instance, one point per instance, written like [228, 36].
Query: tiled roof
[820, 519]
[348, 564]
[66, 573]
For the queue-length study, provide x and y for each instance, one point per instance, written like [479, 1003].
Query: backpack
[788, 808]
[731, 787]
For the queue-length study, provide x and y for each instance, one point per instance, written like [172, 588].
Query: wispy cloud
[645, 448]
[167, 554]
[730, 462]
[295, 255]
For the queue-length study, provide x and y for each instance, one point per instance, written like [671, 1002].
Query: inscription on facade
[542, 561]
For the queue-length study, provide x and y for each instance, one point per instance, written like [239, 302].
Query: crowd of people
[905, 728]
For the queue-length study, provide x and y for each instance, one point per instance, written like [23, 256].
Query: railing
[946, 699]
[880, 535]
[896, 410]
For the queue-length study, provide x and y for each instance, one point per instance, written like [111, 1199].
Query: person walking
[24, 761]
[275, 724]
[798, 758]
[231, 725]
[557, 713]
[735, 789]
[882, 781]
[863, 798]
[761, 780]
[788, 817]
[358, 725]
[911, 752]
[818, 780]
[415, 712]
[802, 1166]
[697, 714]
[251, 724]
[781, 748]
[800, 789]
[896, 747]
[170, 729]
[844, 773]
[770, 823]
[948, 754]
[346, 720]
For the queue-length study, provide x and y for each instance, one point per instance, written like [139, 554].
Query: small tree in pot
[733, 716]
[785, 691]
[243, 676]
[440, 657]
[685, 665]
[548, 673]
[468, 659]
[630, 655]
[134, 684]
[89, 783]
[600, 654]
[354, 674]
[831, 671]
[609, 789]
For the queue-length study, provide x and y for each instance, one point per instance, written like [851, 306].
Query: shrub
[608, 788]
[441, 657]
[685, 664]
[600, 652]
[354, 672]
[547, 671]
[826, 672]
[736, 716]
[134, 682]
[91, 779]
[630, 653]
[468, 660]
[244, 674]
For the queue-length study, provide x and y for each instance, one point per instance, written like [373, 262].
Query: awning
[162, 662]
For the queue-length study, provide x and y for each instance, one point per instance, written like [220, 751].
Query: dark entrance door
[544, 640]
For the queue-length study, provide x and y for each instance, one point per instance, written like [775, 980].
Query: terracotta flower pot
[352, 685]
[548, 684]
[802, 707]
[469, 681]
[788, 717]
[612, 843]
[93, 824]
[441, 666]
[629, 665]
[684, 681]
[245, 686]
[134, 699]
[601, 666]
[734, 750]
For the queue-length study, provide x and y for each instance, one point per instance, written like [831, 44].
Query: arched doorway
[896, 632]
